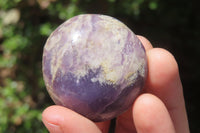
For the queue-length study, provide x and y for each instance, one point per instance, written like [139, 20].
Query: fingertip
[145, 104]
[47, 114]
[150, 115]
[60, 119]
[163, 67]
[146, 43]
[51, 120]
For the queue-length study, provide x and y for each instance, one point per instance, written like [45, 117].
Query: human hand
[160, 109]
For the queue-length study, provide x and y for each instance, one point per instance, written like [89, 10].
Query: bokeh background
[26, 24]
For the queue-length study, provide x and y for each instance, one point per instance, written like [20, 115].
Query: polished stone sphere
[94, 65]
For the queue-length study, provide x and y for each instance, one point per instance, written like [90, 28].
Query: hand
[160, 109]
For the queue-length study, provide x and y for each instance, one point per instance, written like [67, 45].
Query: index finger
[164, 82]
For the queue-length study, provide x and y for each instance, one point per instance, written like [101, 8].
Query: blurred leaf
[8, 61]
[111, 1]
[74, 1]
[41, 82]
[8, 31]
[6, 4]
[68, 12]
[153, 5]
[16, 42]
[46, 29]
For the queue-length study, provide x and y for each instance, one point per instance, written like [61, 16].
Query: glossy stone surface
[94, 65]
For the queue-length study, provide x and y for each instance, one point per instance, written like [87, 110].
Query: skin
[159, 109]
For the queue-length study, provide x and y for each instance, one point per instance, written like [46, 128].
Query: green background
[26, 24]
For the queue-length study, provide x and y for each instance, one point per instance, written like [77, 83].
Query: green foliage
[17, 109]
[26, 24]
[45, 29]
[6, 4]
[153, 5]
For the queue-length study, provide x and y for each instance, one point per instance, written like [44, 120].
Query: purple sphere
[94, 65]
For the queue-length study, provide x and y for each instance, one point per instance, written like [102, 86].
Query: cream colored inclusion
[112, 70]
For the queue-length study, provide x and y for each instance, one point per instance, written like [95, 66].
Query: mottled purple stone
[94, 65]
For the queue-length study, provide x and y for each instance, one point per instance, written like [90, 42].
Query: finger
[103, 126]
[59, 119]
[124, 122]
[146, 43]
[151, 116]
[164, 82]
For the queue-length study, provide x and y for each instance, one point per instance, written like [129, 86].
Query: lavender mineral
[94, 65]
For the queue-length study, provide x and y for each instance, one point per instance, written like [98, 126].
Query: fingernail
[52, 128]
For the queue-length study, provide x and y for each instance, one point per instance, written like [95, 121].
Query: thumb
[59, 119]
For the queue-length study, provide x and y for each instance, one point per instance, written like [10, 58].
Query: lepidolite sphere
[94, 65]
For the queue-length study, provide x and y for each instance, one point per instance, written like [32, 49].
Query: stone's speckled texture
[94, 65]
